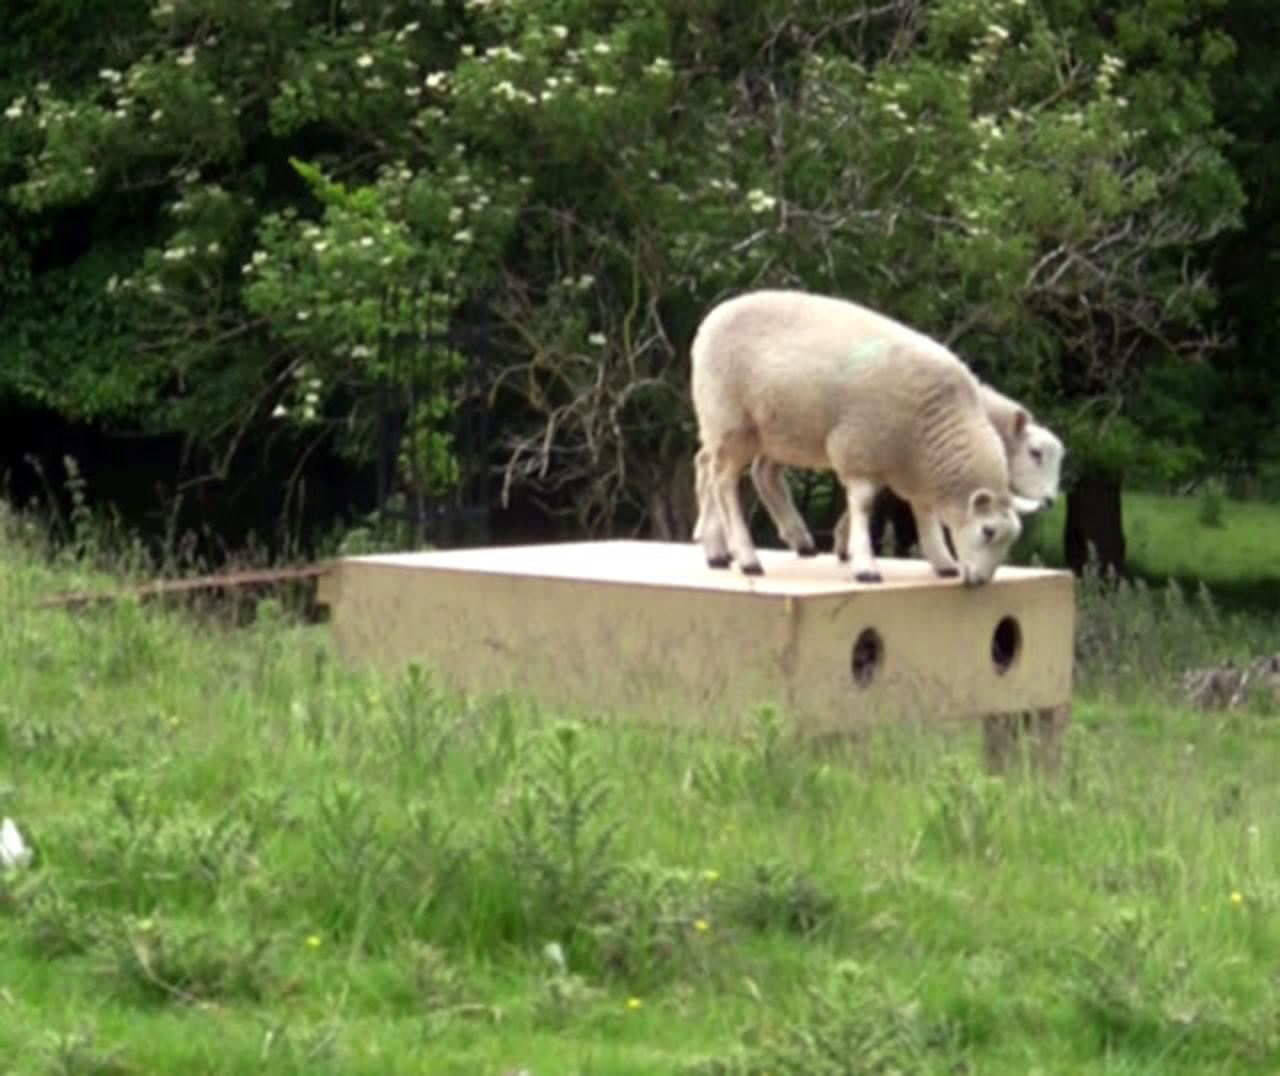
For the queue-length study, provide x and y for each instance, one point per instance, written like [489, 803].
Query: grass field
[1166, 537]
[250, 860]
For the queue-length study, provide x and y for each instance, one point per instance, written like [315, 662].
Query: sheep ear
[1021, 420]
[981, 502]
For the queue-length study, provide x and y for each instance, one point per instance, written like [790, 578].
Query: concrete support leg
[1001, 734]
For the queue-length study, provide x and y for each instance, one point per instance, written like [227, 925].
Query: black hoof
[842, 555]
[946, 573]
[807, 551]
[719, 562]
[752, 569]
[869, 577]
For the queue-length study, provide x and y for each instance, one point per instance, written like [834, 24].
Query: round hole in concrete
[868, 653]
[1006, 644]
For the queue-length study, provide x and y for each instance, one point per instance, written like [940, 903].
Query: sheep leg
[709, 530]
[861, 494]
[840, 538]
[724, 487]
[701, 478]
[933, 543]
[776, 497]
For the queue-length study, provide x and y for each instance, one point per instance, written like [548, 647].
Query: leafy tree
[331, 188]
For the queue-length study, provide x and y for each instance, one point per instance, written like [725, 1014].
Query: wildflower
[436, 79]
[187, 57]
[634, 1003]
[701, 926]
[109, 74]
[596, 340]
[605, 91]
[14, 111]
[711, 874]
[759, 201]
[364, 60]
[455, 214]
[1237, 897]
[359, 351]
[463, 236]
[559, 32]
[279, 411]
[366, 240]
[585, 281]
[313, 941]
[320, 247]
[601, 48]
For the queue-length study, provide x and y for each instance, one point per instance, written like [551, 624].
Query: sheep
[1035, 467]
[806, 380]
[1035, 464]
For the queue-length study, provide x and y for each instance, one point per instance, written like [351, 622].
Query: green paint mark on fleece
[864, 351]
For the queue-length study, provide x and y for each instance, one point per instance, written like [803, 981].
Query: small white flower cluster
[1109, 67]
[760, 202]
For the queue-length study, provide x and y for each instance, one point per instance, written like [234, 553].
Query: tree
[1033, 183]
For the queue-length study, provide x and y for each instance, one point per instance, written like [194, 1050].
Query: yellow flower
[313, 941]
[711, 874]
[634, 1003]
[701, 926]
[1237, 897]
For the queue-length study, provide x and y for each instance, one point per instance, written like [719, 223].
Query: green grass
[251, 860]
[1167, 537]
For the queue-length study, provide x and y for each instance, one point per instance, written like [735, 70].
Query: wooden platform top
[681, 565]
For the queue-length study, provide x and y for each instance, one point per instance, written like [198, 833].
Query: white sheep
[1035, 469]
[809, 381]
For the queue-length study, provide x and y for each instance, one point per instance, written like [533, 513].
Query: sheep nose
[1048, 502]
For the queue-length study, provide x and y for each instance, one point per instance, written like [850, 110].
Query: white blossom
[464, 236]
[760, 202]
[364, 60]
[187, 57]
[279, 411]
[596, 340]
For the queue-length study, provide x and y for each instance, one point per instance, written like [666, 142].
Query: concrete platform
[648, 630]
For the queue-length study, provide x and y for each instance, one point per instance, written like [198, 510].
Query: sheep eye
[1037, 456]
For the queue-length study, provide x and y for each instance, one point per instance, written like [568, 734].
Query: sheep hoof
[722, 561]
[752, 569]
[807, 551]
[842, 555]
[868, 577]
[946, 573]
